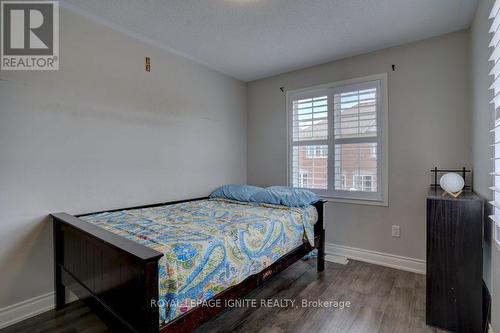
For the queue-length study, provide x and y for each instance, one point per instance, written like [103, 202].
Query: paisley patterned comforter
[209, 245]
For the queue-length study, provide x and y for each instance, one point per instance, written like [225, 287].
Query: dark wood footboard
[118, 278]
[115, 276]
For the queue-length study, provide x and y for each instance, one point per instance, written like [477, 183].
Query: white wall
[102, 133]
[428, 125]
[481, 138]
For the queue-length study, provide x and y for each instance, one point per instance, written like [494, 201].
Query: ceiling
[251, 39]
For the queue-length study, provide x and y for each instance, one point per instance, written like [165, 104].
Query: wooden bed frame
[118, 278]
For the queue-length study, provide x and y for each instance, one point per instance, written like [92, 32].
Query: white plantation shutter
[310, 140]
[355, 138]
[495, 72]
[336, 139]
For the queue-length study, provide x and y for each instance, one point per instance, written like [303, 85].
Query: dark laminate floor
[382, 300]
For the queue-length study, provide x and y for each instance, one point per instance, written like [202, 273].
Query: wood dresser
[454, 261]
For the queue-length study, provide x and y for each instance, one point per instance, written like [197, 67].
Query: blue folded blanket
[235, 192]
[286, 196]
[276, 195]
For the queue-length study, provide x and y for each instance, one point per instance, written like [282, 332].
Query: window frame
[303, 177]
[313, 153]
[356, 197]
[362, 178]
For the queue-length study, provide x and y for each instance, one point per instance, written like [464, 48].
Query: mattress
[209, 245]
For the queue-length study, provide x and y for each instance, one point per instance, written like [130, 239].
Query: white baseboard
[335, 258]
[341, 254]
[29, 308]
[23, 310]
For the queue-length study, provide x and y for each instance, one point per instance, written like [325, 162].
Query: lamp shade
[452, 182]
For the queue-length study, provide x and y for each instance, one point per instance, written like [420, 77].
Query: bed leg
[321, 252]
[60, 290]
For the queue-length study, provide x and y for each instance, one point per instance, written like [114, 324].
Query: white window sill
[355, 201]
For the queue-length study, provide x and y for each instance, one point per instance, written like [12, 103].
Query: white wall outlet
[396, 231]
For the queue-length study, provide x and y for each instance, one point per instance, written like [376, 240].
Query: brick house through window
[356, 164]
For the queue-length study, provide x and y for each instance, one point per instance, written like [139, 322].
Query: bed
[154, 268]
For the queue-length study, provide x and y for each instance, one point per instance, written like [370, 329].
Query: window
[338, 136]
[310, 135]
[303, 176]
[317, 152]
[363, 183]
[495, 72]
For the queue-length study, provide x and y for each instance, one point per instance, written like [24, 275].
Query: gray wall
[482, 120]
[428, 125]
[102, 133]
